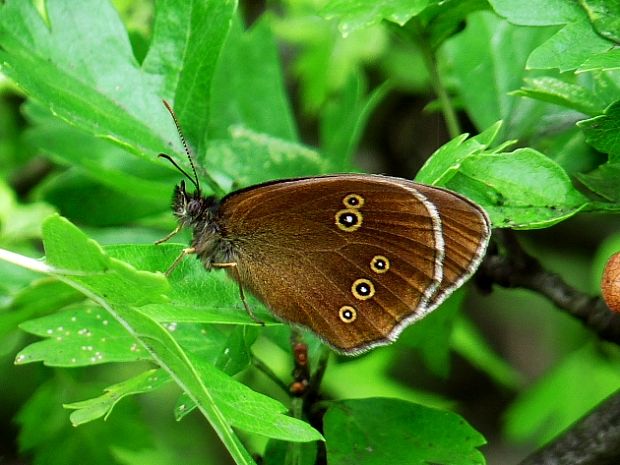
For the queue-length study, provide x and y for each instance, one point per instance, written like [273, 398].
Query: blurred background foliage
[364, 90]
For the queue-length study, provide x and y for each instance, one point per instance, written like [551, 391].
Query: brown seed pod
[610, 284]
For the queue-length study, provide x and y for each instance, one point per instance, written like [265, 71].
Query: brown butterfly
[354, 258]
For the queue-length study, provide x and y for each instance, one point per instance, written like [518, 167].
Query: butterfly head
[192, 208]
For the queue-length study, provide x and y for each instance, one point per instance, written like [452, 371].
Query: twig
[593, 440]
[515, 268]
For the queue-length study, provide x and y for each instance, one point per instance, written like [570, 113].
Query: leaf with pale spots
[91, 409]
[378, 431]
[83, 335]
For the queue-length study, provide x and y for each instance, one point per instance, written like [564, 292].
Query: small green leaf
[445, 162]
[523, 189]
[92, 409]
[605, 61]
[379, 431]
[603, 131]
[359, 14]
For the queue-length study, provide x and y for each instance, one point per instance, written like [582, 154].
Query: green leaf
[194, 31]
[445, 162]
[602, 133]
[359, 14]
[485, 83]
[343, 120]
[92, 409]
[569, 48]
[68, 248]
[249, 158]
[523, 189]
[262, 106]
[561, 396]
[379, 431]
[560, 92]
[41, 296]
[46, 434]
[604, 17]
[81, 336]
[19, 222]
[608, 60]
[536, 13]
[195, 295]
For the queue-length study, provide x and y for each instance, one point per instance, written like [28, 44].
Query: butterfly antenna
[194, 179]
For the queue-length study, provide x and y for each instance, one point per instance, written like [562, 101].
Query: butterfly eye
[347, 314]
[363, 289]
[349, 220]
[353, 201]
[379, 264]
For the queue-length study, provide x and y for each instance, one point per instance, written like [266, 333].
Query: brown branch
[593, 440]
[515, 268]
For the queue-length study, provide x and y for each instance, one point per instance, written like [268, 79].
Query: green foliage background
[296, 88]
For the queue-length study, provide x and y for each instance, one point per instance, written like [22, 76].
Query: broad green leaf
[523, 189]
[358, 14]
[68, 248]
[537, 13]
[250, 157]
[80, 336]
[560, 92]
[92, 409]
[445, 162]
[485, 83]
[262, 106]
[569, 48]
[98, 86]
[604, 17]
[193, 32]
[378, 431]
[561, 396]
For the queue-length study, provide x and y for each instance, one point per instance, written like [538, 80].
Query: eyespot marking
[379, 264]
[349, 219]
[363, 289]
[347, 314]
[353, 201]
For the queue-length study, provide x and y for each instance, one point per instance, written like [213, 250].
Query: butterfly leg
[168, 236]
[182, 255]
[235, 270]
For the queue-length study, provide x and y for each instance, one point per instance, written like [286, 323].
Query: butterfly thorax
[201, 214]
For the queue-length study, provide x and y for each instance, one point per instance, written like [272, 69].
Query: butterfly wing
[354, 258]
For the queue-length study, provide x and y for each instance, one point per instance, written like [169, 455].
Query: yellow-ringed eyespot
[379, 264]
[363, 289]
[349, 219]
[347, 314]
[353, 201]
